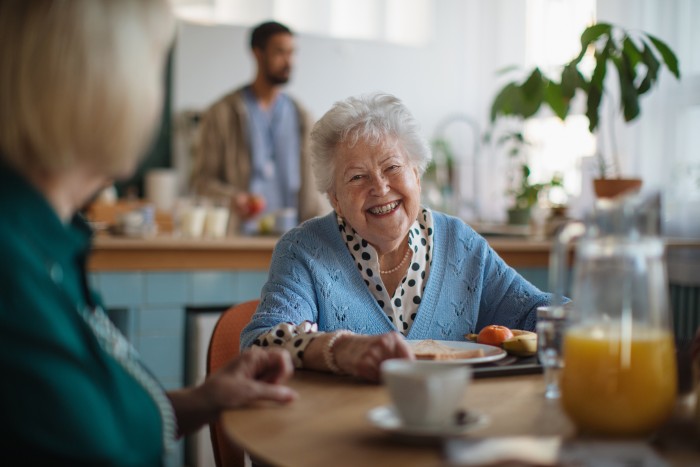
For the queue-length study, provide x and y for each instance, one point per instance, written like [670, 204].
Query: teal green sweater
[63, 399]
[313, 277]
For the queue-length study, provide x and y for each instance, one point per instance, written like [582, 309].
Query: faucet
[465, 202]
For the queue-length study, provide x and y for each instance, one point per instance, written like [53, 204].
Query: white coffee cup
[425, 394]
[160, 188]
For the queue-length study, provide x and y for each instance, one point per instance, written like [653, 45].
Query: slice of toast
[430, 349]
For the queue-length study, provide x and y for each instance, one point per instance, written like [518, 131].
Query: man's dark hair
[263, 32]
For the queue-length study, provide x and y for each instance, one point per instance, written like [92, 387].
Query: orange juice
[616, 384]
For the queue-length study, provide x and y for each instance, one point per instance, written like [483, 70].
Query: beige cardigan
[223, 161]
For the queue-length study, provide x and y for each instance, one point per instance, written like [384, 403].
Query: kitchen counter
[167, 253]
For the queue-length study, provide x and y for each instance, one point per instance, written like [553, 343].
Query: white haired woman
[344, 290]
[80, 93]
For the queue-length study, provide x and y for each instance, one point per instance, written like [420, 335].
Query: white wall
[451, 74]
[455, 73]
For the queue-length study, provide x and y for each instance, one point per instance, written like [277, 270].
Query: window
[553, 30]
[406, 22]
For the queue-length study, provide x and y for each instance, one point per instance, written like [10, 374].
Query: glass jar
[619, 377]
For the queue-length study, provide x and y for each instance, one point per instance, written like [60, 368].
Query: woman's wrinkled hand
[361, 355]
[256, 374]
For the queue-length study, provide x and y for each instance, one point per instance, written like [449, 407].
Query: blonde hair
[80, 82]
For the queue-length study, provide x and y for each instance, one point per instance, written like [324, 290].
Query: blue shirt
[275, 151]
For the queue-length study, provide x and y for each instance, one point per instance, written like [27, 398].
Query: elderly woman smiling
[345, 290]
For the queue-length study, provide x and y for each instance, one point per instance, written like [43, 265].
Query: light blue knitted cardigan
[314, 277]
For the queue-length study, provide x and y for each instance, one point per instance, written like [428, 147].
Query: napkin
[551, 450]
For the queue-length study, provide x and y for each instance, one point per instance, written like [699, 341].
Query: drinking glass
[551, 324]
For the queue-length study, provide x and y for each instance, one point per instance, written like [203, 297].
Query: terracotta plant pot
[614, 187]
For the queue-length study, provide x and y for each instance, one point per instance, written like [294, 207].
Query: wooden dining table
[328, 424]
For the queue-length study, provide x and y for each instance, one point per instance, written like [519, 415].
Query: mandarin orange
[494, 335]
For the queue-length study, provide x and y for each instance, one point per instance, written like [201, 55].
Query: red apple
[256, 205]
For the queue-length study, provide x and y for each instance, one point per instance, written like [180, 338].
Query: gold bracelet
[329, 356]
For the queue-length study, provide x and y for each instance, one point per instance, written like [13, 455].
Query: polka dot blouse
[400, 308]
[294, 338]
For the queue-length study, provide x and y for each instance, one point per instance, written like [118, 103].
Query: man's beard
[279, 78]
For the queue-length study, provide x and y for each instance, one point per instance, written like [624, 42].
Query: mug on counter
[216, 221]
[192, 221]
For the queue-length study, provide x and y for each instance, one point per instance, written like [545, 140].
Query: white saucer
[385, 418]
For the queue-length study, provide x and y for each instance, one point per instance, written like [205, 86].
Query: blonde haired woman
[79, 98]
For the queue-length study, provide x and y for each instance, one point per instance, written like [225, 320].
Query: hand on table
[362, 355]
[256, 375]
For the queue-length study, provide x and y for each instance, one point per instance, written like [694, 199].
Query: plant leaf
[652, 66]
[571, 79]
[595, 88]
[532, 92]
[591, 34]
[533, 84]
[667, 54]
[644, 86]
[592, 107]
[631, 51]
[506, 102]
[554, 97]
[629, 100]
[601, 64]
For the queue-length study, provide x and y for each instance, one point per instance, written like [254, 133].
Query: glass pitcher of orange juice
[619, 375]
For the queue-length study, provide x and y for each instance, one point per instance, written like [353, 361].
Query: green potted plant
[637, 59]
[524, 194]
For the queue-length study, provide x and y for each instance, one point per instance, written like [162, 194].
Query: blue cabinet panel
[212, 288]
[121, 289]
[166, 288]
[164, 356]
[248, 285]
[161, 321]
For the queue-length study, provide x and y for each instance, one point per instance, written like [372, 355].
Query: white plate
[385, 418]
[491, 353]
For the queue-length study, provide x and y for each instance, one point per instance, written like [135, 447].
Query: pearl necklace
[396, 268]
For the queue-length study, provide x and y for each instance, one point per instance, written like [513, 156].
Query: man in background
[254, 142]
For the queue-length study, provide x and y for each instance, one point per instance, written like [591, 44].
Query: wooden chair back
[223, 347]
